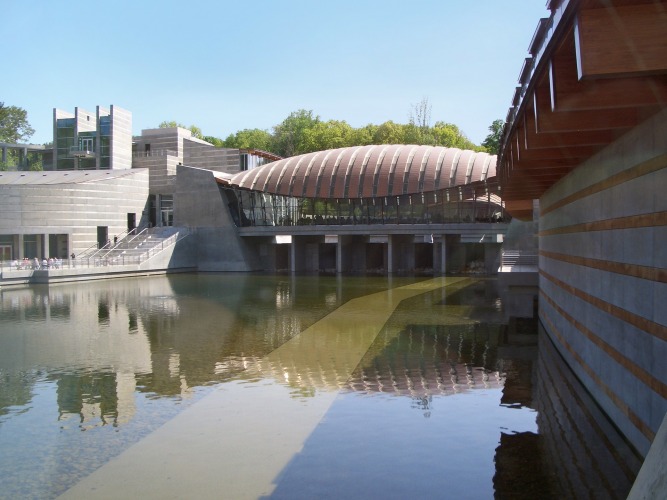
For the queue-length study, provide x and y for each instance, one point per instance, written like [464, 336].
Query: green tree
[253, 138]
[449, 135]
[389, 133]
[327, 135]
[492, 141]
[218, 143]
[364, 135]
[196, 131]
[34, 162]
[289, 136]
[14, 125]
[418, 130]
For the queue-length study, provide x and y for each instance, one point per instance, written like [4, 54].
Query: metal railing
[515, 258]
[127, 257]
[157, 152]
[107, 248]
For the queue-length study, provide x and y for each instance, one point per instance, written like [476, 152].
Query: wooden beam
[621, 40]
[535, 140]
[604, 119]
[569, 93]
[566, 151]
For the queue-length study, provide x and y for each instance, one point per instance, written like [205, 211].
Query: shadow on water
[370, 444]
[447, 401]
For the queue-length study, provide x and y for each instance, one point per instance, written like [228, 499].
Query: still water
[246, 386]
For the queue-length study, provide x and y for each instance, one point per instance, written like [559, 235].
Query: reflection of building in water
[89, 337]
[577, 453]
[426, 360]
[34, 304]
[419, 362]
[585, 451]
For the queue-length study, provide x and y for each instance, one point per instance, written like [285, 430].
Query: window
[86, 144]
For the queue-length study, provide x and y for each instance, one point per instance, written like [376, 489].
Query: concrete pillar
[411, 254]
[292, 256]
[339, 255]
[45, 246]
[443, 254]
[390, 255]
[4, 154]
[21, 250]
[312, 260]
[158, 210]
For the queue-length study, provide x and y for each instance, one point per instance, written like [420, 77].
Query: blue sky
[230, 65]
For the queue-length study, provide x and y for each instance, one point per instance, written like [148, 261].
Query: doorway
[131, 222]
[102, 236]
[5, 252]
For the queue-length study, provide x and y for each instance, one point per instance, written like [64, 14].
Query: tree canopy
[196, 131]
[14, 125]
[492, 141]
[304, 132]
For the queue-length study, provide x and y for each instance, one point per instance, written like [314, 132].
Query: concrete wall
[161, 150]
[602, 237]
[162, 170]
[74, 209]
[121, 138]
[206, 156]
[200, 205]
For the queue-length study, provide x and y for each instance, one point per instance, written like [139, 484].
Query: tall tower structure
[92, 141]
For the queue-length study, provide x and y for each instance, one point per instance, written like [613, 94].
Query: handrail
[511, 258]
[156, 152]
[99, 249]
[138, 234]
[102, 261]
[118, 240]
[164, 244]
[83, 255]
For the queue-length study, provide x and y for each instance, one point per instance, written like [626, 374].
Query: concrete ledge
[17, 278]
[651, 482]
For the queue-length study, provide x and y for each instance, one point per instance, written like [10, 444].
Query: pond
[268, 386]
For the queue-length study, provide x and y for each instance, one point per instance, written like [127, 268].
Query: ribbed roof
[369, 171]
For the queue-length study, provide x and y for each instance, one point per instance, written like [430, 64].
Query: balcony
[81, 152]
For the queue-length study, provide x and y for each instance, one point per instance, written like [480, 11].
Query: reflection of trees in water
[16, 391]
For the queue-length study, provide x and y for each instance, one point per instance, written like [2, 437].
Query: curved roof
[369, 171]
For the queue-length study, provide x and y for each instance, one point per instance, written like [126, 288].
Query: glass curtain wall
[253, 208]
[87, 143]
[105, 142]
[64, 142]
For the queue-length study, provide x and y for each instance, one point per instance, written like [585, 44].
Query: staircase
[136, 248]
[516, 259]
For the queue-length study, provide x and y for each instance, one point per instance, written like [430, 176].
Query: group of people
[35, 264]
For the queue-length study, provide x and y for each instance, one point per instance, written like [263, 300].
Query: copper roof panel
[367, 171]
[366, 178]
[442, 180]
[462, 167]
[362, 162]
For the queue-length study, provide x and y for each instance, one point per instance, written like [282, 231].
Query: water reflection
[584, 452]
[119, 358]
